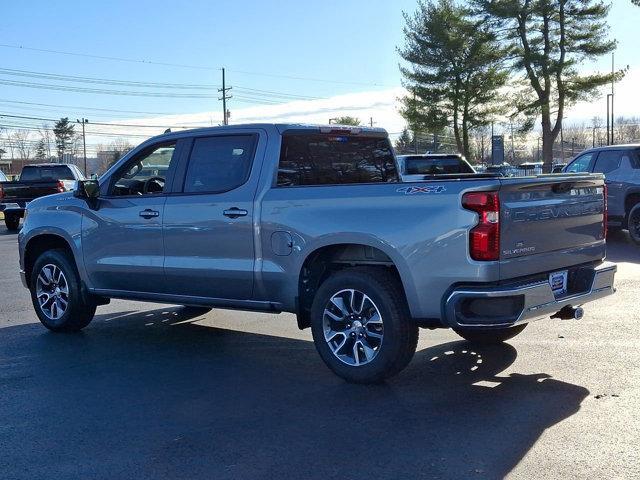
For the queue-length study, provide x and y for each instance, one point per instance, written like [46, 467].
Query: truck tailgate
[28, 190]
[549, 222]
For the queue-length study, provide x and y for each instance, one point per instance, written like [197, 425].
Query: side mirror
[87, 189]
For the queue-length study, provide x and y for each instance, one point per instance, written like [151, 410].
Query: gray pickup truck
[621, 166]
[315, 221]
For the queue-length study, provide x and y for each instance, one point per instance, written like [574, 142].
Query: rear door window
[330, 159]
[607, 161]
[219, 164]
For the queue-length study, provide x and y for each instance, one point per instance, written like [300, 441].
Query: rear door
[208, 223]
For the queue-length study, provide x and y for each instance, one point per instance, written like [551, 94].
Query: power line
[87, 108]
[102, 81]
[198, 67]
[132, 83]
[94, 123]
[66, 88]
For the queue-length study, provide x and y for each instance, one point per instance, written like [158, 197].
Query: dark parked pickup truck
[314, 220]
[35, 181]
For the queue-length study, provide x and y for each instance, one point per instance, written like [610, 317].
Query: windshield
[436, 165]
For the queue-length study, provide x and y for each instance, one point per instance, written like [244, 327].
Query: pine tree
[548, 40]
[41, 150]
[404, 142]
[64, 133]
[454, 70]
[346, 120]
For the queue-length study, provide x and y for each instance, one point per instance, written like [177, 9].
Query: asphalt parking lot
[148, 392]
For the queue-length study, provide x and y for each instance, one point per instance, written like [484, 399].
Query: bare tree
[22, 142]
[46, 136]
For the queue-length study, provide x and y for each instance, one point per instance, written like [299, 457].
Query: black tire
[633, 222]
[80, 307]
[489, 337]
[12, 222]
[400, 334]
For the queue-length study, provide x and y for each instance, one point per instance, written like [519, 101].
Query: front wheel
[493, 336]
[634, 224]
[12, 222]
[56, 293]
[361, 325]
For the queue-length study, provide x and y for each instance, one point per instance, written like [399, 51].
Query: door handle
[148, 213]
[235, 212]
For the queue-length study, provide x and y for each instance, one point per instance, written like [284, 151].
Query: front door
[208, 225]
[122, 236]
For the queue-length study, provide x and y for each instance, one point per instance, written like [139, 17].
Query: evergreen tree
[346, 120]
[41, 150]
[404, 141]
[454, 70]
[64, 133]
[548, 40]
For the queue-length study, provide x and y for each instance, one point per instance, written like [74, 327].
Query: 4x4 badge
[422, 189]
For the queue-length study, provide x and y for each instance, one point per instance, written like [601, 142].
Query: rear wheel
[487, 337]
[56, 293]
[361, 325]
[634, 224]
[12, 221]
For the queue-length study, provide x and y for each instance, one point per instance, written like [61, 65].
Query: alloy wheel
[353, 327]
[52, 292]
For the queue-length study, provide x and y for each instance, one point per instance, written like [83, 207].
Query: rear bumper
[505, 306]
[12, 207]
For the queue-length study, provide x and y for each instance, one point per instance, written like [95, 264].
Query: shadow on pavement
[154, 395]
[620, 247]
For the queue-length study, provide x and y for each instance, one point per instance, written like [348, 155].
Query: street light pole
[84, 143]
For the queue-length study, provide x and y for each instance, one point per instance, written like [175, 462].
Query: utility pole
[371, 122]
[609, 119]
[562, 139]
[612, 84]
[224, 98]
[513, 153]
[84, 121]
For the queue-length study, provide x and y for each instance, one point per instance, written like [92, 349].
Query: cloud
[381, 105]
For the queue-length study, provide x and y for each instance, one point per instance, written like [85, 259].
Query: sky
[328, 57]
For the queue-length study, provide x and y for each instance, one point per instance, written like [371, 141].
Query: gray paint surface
[191, 250]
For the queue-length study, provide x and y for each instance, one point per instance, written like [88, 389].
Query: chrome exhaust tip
[569, 313]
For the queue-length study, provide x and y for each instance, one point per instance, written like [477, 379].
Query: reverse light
[484, 238]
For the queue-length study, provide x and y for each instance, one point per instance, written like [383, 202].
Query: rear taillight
[61, 186]
[484, 238]
[605, 213]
